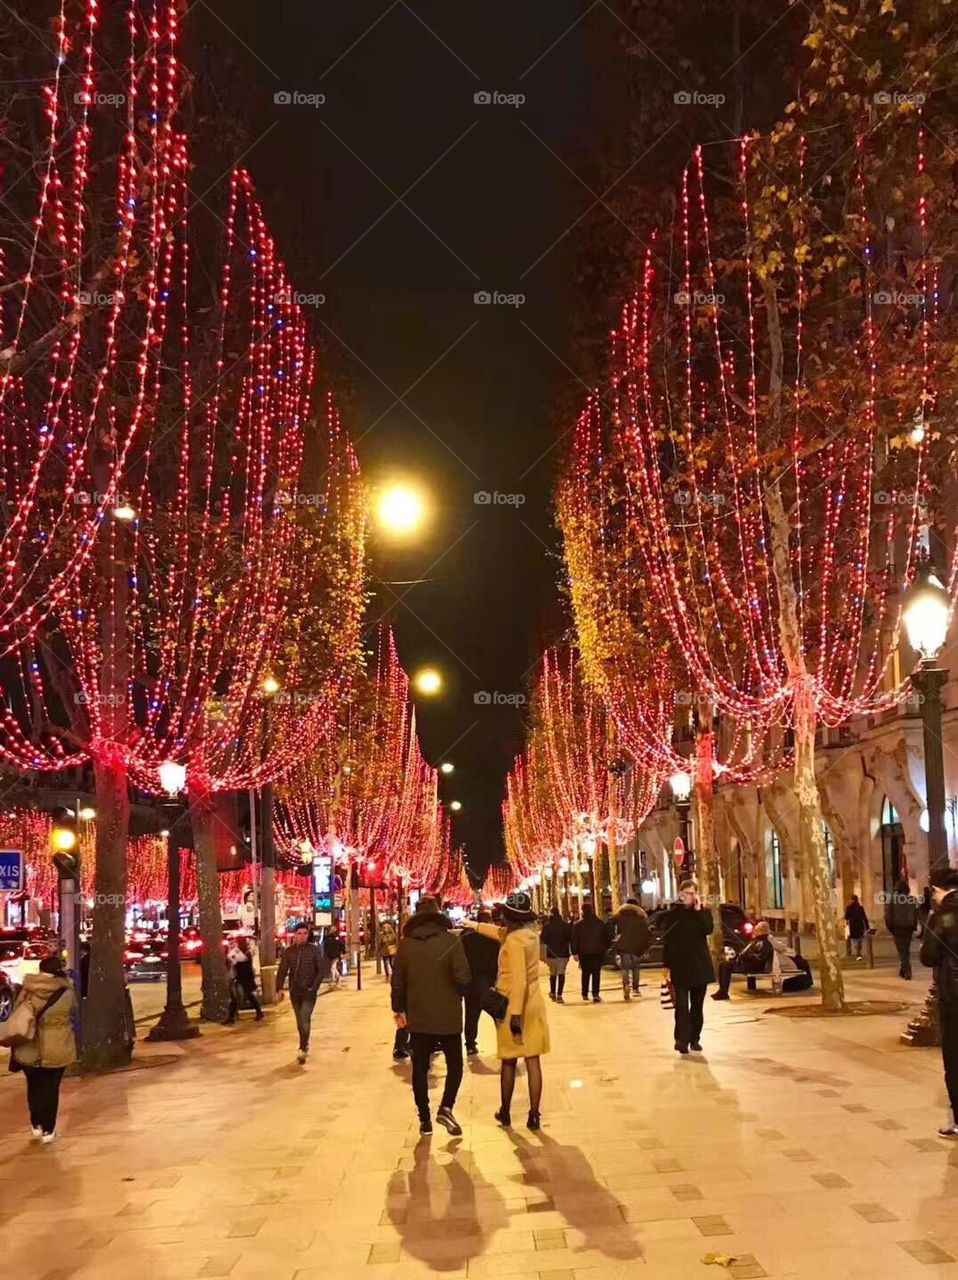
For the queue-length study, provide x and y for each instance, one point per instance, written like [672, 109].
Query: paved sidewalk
[801, 1148]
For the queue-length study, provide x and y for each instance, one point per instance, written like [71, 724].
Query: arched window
[778, 879]
[892, 845]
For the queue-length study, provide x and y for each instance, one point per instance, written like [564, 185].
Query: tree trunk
[814, 856]
[216, 993]
[106, 1035]
[710, 881]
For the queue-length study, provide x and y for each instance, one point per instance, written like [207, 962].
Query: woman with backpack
[45, 1008]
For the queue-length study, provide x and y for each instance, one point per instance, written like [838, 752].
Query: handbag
[494, 1003]
[22, 1025]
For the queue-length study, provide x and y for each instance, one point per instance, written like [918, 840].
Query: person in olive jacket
[44, 1059]
[430, 976]
[685, 953]
[939, 950]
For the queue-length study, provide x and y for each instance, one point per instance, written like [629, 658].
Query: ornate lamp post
[681, 785]
[174, 1023]
[925, 614]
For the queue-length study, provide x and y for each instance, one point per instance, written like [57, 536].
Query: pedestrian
[685, 954]
[764, 953]
[242, 980]
[925, 908]
[306, 967]
[632, 939]
[388, 944]
[44, 1058]
[524, 1031]
[939, 950]
[430, 976]
[901, 921]
[590, 942]
[858, 926]
[556, 941]
[334, 949]
[483, 956]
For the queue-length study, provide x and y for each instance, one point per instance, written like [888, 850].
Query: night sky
[399, 199]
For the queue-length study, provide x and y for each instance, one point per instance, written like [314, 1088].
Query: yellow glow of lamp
[400, 510]
[270, 686]
[455, 806]
[427, 681]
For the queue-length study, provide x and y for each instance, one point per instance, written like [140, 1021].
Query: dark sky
[457, 394]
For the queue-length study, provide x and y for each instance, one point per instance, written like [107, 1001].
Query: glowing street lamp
[123, 511]
[63, 839]
[172, 777]
[926, 613]
[400, 510]
[427, 681]
[455, 805]
[446, 767]
[681, 787]
[270, 685]
[174, 1023]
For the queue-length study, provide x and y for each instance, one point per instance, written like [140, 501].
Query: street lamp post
[174, 1023]
[925, 614]
[681, 785]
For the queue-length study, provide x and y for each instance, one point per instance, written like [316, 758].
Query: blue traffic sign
[11, 871]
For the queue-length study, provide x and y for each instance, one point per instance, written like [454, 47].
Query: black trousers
[303, 1002]
[591, 967]
[903, 945]
[248, 991]
[421, 1045]
[43, 1096]
[689, 1017]
[472, 1008]
[948, 1018]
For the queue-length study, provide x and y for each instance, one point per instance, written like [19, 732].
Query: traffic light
[65, 844]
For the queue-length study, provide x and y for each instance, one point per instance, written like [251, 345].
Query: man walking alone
[483, 956]
[430, 976]
[590, 942]
[306, 967]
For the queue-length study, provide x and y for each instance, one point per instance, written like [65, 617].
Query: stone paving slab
[802, 1148]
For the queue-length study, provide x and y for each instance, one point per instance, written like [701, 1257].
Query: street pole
[174, 1023]
[267, 919]
[687, 869]
[924, 1029]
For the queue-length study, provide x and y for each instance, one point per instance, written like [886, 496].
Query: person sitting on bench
[766, 954]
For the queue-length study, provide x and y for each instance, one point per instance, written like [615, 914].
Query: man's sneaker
[948, 1131]
[560, 999]
[425, 1126]
[596, 999]
[36, 1131]
[301, 1057]
[448, 1121]
[695, 1047]
[400, 1055]
[48, 1137]
[682, 1048]
[721, 995]
[472, 1050]
[628, 994]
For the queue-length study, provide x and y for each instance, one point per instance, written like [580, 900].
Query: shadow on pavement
[577, 1193]
[469, 1210]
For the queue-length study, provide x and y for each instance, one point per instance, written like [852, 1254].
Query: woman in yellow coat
[524, 1032]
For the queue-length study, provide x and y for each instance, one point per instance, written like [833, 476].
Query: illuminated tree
[775, 385]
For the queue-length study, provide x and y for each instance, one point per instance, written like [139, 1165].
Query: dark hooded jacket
[430, 975]
[939, 950]
[556, 937]
[632, 936]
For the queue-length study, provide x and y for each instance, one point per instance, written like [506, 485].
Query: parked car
[7, 996]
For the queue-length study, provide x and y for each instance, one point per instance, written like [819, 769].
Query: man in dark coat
[632, 938]
[483, 956]
[858, 926]
[306, 967]
[430, 976]
[901, 921]
[685, 953]
[556, 940]
[590, 942]
[939, 950]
